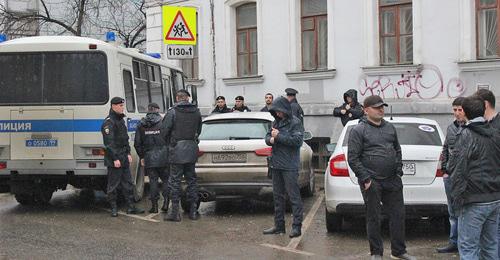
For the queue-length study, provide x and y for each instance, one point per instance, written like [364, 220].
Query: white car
[421, 143]
[232, 162]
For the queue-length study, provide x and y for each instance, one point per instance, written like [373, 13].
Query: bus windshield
[53, 78]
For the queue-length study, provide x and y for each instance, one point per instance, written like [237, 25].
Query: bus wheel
[139, 184]
[25, 199]
[44, 195]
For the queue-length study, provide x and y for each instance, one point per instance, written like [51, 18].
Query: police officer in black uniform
[117, 157]
[296, 108]
[183, 126]
[151, 146]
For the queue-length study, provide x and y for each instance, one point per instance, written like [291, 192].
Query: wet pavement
[77, 226]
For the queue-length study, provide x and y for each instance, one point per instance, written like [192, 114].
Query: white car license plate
[409, 168]
[229, 157]
[41, 143]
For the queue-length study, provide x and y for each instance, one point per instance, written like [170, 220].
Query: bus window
[137, 73]
[129, 91]
[157, 94]
[177, 80]
[53, 78]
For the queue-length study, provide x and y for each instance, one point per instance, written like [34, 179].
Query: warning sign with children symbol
[179, 25]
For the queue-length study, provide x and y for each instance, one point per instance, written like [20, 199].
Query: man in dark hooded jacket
[475, 183]
[183, 126]
[285, 137]
[351, 109]
[151, 146]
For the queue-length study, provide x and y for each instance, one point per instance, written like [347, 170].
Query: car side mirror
[331, 147]
[307, 136]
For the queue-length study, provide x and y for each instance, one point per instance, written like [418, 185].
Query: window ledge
[309, 75]
[243, 80]
[391, 69]
[195, 82]
[479, 65]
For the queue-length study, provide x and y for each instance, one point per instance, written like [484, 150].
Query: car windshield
[235, 129]
[410, 134]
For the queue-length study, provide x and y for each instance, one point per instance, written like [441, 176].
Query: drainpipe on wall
[212, 33]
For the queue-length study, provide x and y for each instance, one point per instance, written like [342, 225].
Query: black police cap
[291, 92]
[239, 98]
[220, 97]
[117, 100]
[152, 106]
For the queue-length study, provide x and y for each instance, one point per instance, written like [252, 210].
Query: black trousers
[286, 181]
[120, 177]
[389, 192]
[155, 174]
[188, 171]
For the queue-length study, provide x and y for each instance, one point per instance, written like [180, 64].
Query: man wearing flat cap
[117, 157]
[296, 108]
[220, 106]
[239, 105]
[151, 143]
[374, 155]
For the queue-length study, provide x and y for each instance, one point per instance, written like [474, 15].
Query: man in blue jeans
[449, 145]
[475, 183]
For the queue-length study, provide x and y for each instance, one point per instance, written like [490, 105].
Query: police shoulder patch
[106, 130]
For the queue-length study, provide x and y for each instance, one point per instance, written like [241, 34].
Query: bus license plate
[229, 158]
[409, 168]
[41, 143]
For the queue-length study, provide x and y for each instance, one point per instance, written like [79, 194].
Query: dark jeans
[389, 192]
[188, 171]
[120, 177]
[286, 181]
[453, 217]
[154, 175]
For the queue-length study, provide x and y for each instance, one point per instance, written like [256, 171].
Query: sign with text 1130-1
[180, 51]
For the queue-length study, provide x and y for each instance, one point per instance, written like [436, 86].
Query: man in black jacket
[239, 105]
[117, 157]
[220, 106]
[151, 146]
[375, 157]
[269, 102]
[449, 145]
[291, 95]
[351, 109]
[183, 126]
[285, 137]
[476, 183]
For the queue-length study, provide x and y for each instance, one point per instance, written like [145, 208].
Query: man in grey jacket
[375, 157]
[449, 145]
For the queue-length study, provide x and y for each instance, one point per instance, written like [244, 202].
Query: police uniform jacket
[151, 141]
[115, 138]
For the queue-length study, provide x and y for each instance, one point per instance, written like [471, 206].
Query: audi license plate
[41, 143]
[409, 168]
[229, 157]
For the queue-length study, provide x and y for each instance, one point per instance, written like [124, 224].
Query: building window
[396, 32]
[190, 66]
[487, 15]
[314, 26]
[246, 33]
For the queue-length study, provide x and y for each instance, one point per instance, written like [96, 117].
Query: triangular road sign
[179, 30]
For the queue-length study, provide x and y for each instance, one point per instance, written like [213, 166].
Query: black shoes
[450, 248]
[296, 232]
[193, 212]
[173, 215]
[154, 207]
[274, 231]
[133, 210]
[166, 203]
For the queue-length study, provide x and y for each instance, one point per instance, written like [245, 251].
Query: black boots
[278, 229]
[114, 209]
[296, 231]
[133, 210]
[154, 207]
[174, 214]
[193, 212]
[450, 248]
[166, 201]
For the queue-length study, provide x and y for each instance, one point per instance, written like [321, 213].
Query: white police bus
[54, 94]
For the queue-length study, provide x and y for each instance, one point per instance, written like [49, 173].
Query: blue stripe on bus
[57, 125]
